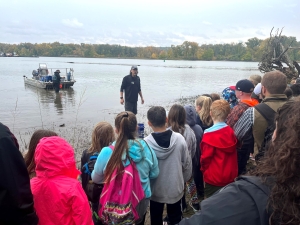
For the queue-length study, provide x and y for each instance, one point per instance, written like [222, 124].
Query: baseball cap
[134, 68]
[58, 71]
[244, 86]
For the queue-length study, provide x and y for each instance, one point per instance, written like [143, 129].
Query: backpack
[120, 197]
[92, 190]
[269, 114]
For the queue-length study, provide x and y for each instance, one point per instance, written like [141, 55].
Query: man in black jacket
[56, 81]
[16, 200]
[132, 86]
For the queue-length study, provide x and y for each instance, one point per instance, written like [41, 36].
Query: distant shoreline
[192, 60]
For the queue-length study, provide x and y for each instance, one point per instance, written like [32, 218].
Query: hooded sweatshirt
[238, 111]
[191, 116]
[16, 200]
[58, 195]
[175, 168]
[219, 155]
[143, 156]
[190, 139]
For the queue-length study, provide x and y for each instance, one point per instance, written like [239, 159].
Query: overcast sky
[145, 22]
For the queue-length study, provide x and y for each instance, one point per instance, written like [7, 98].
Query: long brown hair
[103, 134]
[204, 102]
[35, 138]
[126, 125]
[283, 164]
[177, 118]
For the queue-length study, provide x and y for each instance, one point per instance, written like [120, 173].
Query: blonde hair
[205, 103]
[219, 110]
[102, 136]
[255, 79]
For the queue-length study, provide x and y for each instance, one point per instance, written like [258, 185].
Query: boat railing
[66, 74]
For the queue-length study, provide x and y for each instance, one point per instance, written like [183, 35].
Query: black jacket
[242, 202]
[132, 87]
[16, 200]
[84, 177]
[57, 80]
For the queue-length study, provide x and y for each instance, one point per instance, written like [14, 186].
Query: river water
[95, 95]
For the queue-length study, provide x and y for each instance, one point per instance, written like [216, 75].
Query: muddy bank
[78, 133]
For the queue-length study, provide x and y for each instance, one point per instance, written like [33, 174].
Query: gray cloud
[143, 23]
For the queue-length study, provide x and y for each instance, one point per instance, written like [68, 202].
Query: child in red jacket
[218, 147]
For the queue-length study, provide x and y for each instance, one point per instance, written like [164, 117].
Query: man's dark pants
[131, 106]
[56, 87]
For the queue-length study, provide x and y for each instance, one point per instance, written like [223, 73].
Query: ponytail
[126, 124]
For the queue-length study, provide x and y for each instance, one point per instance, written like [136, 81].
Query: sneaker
[166, 221]
[195, 207]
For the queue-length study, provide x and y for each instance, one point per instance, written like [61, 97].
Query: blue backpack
[92, 190]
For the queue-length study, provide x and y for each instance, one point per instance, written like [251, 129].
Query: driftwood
[275, 57]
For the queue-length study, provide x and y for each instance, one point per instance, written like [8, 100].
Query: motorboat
[42, 77]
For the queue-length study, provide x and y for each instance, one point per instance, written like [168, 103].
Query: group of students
[202, 150]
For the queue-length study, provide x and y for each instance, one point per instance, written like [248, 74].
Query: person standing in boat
[56, 80]
[132, 86]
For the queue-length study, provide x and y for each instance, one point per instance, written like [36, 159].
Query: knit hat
[229, 95]
[257, 89]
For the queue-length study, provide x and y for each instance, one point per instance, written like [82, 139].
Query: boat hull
[47, 85]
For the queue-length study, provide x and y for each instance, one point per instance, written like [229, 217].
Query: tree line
[251, 50]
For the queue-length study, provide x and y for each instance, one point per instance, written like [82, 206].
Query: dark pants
[173, 211]
[243, 155]
[198, 178]
[131, 106]
[141, 209]
[209, 190]
[56, 87]
[95, 213]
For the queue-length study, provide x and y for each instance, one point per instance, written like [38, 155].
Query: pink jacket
[58, 195]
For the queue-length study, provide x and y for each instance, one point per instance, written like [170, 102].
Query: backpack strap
[86, 169]
[267, 112]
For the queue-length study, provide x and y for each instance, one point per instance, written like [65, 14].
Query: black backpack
[269, 114]
[92, 190]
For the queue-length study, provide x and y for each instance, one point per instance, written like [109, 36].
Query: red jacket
[58, 196]
[219, 157]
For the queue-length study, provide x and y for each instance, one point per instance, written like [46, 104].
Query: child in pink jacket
[58, 195]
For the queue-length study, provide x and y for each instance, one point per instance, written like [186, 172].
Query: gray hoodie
[175, 169]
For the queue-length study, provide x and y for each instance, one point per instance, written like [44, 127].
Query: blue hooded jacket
[143, 156]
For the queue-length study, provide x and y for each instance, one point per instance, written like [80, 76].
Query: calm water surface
[95, 95]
